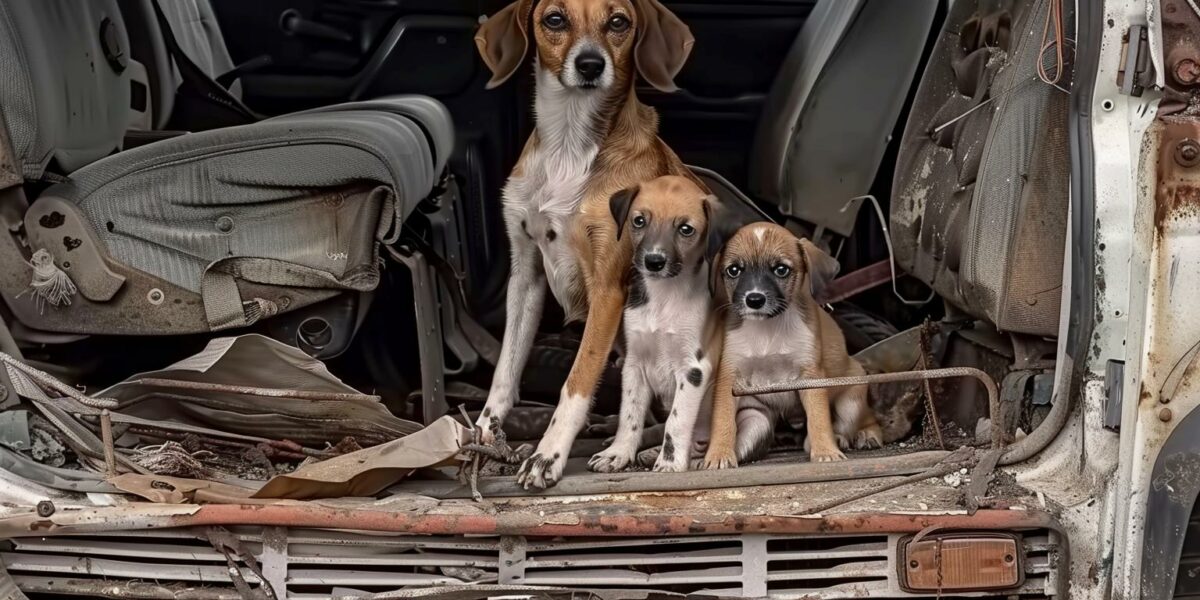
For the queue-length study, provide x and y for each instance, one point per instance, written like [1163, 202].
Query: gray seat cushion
[172, 208]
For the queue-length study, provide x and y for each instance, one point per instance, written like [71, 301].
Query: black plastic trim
[1172, 496]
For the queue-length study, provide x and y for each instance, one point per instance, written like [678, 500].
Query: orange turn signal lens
[961, 563]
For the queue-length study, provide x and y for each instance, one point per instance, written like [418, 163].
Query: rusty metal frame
[574, 524]
[999, 437]
[580, 527]
[579, 523]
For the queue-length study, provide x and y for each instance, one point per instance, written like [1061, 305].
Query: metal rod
[110, 453]
[246, 390]
[946, 373]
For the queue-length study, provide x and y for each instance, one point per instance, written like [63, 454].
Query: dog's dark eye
[555, 21]
[782, 270]
[732, 271]
[618, 23]
[639, 222]
[687, 230]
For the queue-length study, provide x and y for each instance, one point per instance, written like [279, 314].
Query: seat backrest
[66, 93]
[194, 23]
[829, 115]
[980, 198]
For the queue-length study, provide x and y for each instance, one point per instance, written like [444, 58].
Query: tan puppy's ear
[822, 268]
[618, 205]
[663, 45]
[502, 41]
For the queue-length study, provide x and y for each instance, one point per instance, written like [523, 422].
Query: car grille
[321, 564]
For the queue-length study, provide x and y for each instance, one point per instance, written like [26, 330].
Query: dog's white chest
[544, 200]
[665, 333]
[771, 351]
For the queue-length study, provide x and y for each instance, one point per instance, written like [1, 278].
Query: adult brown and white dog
[776, 331]
[592, 139]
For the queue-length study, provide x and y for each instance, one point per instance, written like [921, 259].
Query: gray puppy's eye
[687, 230]
[782, 270]
[639, 222]
[733, 271]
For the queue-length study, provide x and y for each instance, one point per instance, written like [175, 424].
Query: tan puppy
[776, 331]
[592, 139]
[672, 339]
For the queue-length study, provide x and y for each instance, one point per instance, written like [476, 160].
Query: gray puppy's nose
[654, 262]
[756, 300]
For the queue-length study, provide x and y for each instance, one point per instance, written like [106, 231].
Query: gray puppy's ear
[822, 268]
[618, 205]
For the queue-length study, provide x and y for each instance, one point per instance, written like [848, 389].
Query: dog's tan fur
[629, 151]
[818, 351]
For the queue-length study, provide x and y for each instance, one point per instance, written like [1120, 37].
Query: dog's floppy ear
[715, 289]
[822, 268]
[502, 41]
[619, 204]
[663, 45]
[724, 219]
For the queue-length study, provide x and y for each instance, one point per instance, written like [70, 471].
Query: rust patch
[1177, 195]
[1181, 52]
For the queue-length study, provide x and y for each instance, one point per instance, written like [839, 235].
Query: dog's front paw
[720, 458]
[826, 454]
[610, 460]
[869, 438]
[488, 427]
[672, 466]
[541, 471]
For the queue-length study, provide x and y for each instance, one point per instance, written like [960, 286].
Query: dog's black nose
[756, 300]
[589, 65]
[654, 262]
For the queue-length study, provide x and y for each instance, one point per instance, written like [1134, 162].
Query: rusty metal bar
[246, 390]
[856, 282]
[998, 437]
[110, 452]
[583, 523]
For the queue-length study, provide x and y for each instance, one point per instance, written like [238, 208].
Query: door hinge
[1114, 391]
[1135, 73]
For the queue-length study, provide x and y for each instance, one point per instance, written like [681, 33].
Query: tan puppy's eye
[554, 21]
[687, 230]
[733, 271]
[639, 222]
[618, 23]
[782, 270]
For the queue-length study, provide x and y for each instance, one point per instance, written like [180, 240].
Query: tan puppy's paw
[831, 454]
[719, 458]
[869, 438]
